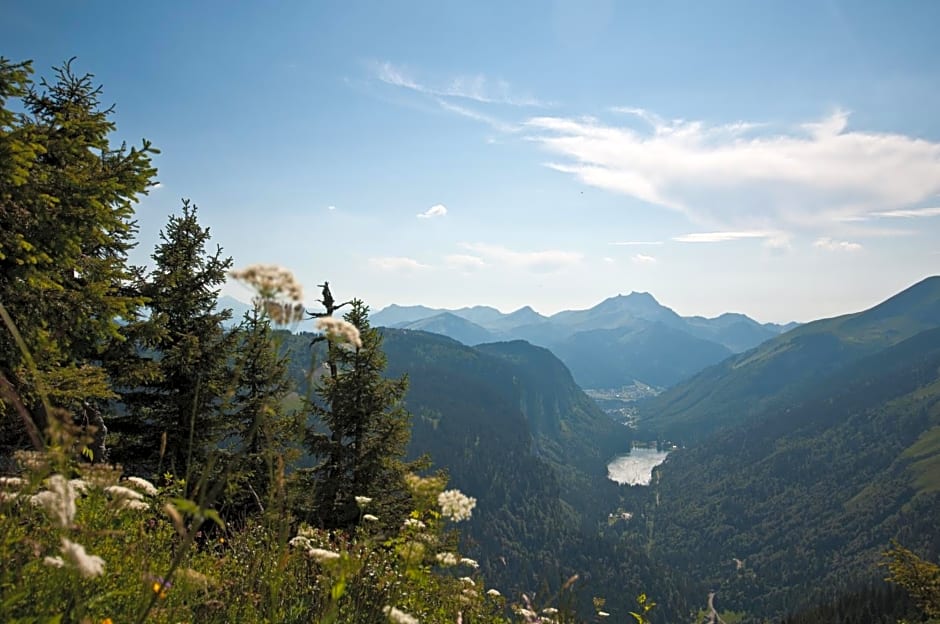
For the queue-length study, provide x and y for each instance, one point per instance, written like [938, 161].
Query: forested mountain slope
[738, 388]
[511, 428]
[804, 496]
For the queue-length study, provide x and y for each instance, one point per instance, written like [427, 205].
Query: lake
[637, 467]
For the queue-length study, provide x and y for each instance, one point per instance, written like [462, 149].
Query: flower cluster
[126, 498]
[280, 296]
[58, 501]
[456, 505]
[340, 331]
[398, 616]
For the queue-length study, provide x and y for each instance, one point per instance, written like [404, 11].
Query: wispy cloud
[720, 237]
[540, 261]
[331, 207]
[745, 176]
[476, 88]
[834, 245]
[397, 264]
[437, 210]
[464, 262]
[911, 213]
[634, 243]
[643, 259]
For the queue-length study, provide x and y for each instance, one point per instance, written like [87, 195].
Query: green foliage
[265, 432]
[783, 369]
[806, 494]
[184, 378]
[366, 432]
[919, 577]
[66, 225]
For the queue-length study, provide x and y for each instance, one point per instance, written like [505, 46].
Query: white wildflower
[603, 614]
[143, 485]
[456, 505]
[370, 518]
[79, 486]
[8, 497]
[280, 295]
[126, 498]
[58, 501]
[321, 555]
[467, 580]
[549, 611]
[414, 523]
[493, 592]
[362, 501]
[469, 562]
[526, 613]
[340, 331]
[54, 562]
[301, 541]
[398, 616]
[12, 482]
[446, 559]
[88, 565]
[136, 505]
[120, 492]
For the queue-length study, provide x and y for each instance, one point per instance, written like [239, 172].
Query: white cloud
[746, 176]
[911, 213]
[609, 260]
[331, 207]
[633, 243]
[643, 259]
[539, 261]
[834, 245]
[720, 237]
[397, 264]
[464, 262]
[477, 88]
[437, 210]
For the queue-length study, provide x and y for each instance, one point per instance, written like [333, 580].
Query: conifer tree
[367, 429]
[264, 436]
[176, 415]
[66, 225]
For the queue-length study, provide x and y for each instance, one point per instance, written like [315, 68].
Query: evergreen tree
[177, 415]
[66, 225]
[367, 431]
[264, 435]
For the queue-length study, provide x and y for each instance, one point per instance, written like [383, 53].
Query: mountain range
[621, 340]
[803, 459]
[799, 461]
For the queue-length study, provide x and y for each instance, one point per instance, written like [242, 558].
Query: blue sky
[780, 159]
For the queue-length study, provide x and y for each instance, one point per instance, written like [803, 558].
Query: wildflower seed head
[370, 518]
[447, 559]
[414, 523]
[12, 482]
[399, 617]
[88, 565]
[301, 541]
[321, 555]
[469, 562]
[142, 485]
[58, 501]
[362, 501]
[493, 592]
[54, 562]
[456, 505]
[270, 282]
[340, 331]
